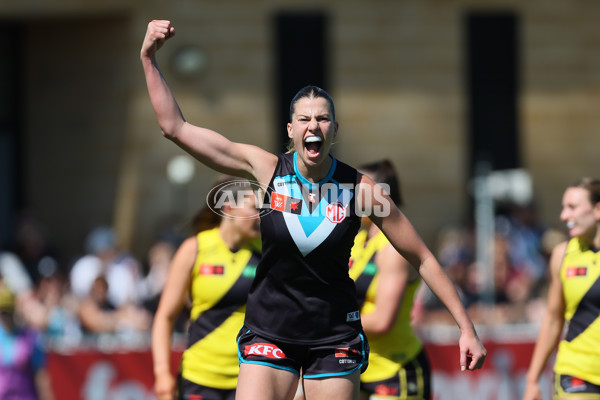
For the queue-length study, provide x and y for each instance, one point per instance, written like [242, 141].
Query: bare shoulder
[557, 257]
[188, 248]
[190, 243]
[363, 179]
[364, 186]
[262, 162]
[560, 250]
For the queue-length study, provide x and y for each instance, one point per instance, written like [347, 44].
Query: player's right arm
[405, 239]
[171, 303]
[551, 327]
[206, 145]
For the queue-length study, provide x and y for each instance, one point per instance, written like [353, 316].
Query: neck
[314, 173]
[230, 236]
[592, 239]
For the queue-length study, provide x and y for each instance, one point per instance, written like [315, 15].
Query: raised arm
[402, 235]
[551, 327]
[208, 146]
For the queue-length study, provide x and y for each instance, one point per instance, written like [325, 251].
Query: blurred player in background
[574, 297]
[386, 284]
[215, 268]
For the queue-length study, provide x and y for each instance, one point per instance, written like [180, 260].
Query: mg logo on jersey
[335, 212]
[264, 349]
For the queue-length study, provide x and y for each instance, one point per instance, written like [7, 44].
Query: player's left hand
[472, 352]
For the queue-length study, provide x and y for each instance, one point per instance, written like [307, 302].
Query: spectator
[14, 274]
[57, 318]
[159, 257]
[98, 315]
[23, 373]
[456, 255]
[15, 277]
[121, 270]
[524, 234]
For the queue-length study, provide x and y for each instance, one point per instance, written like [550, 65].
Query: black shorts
[315, 361]
[191, 391]
[566, 386]
[412, 382]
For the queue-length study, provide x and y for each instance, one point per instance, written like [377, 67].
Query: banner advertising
[90, 374]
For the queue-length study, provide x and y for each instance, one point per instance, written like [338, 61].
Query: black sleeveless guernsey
[302, 292]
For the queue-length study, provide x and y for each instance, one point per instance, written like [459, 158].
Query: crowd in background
[108, 290]
[520, 250]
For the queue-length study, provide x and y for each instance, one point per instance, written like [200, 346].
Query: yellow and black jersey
[221, 280]
[579, 352]
[390, 351]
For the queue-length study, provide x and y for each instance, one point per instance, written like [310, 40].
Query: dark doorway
[492, 78]
[301, 56]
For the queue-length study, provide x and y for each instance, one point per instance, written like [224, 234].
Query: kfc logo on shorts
[335, 212]
[264, 349]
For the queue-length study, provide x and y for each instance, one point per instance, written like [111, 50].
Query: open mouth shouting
[313, 145]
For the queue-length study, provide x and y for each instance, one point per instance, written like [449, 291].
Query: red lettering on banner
[335, 212]
[383, 390]
[90, 374]
[264, 349]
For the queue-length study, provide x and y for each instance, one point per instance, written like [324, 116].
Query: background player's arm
[393, 272]
[551, 327]
[171, 303]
